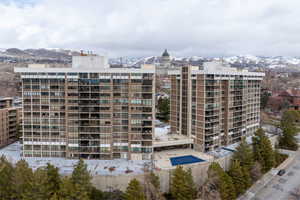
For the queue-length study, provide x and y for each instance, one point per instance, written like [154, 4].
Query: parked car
[281, 172]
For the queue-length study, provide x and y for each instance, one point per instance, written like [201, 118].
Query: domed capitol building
[165, 64]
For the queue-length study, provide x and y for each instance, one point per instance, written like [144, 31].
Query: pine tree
[113, 195]
[178, 186]
[154, 179]
[22, 180]
[288, 140]
[163, 107]
[78, 186]
[81, 177]
[96, 194]
[227, 189]
[134, 191]
[262, 150]
[244, 154]
[247, 177]
[55, 197]
[191, 184]
[237, 175]
[39, 189]
[289, 117]
[69, 190]
[182, 184]
[53, 179]
[6, 174]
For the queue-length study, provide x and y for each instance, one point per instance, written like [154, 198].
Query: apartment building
[9, 121]
[216, 105]
[88, 111]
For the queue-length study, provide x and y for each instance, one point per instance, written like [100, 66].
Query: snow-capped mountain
[64, 56]
[241, 61]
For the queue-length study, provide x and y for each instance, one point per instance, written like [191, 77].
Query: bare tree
[255, 171]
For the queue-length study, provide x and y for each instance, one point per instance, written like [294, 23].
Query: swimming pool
[183, 160]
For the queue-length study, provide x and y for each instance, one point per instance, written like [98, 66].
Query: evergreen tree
[6, 174]
[244, 154]
[227, 189]
[70, 191]
[289, 117]
[53, 179]
[81, 177]
[22, 180]
[96, 194]
[190, 183]
[247, 177]
[237, 174]
[154, 179]
[55, 197]
[78, 186]
[39, 189]
[262, 150]
[287, 140]
[134, 191]
[182, 184]
[113, 195]
[163, 107]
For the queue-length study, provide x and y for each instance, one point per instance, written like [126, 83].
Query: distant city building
[9, 121]
[88, 111]
[287, 99]
[165, 65]
[216, 105]
[165, 58]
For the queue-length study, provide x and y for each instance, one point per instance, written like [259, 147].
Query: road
[283, 187]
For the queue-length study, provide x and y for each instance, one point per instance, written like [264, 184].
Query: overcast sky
[147, 27]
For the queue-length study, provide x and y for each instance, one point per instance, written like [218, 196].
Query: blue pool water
[182, 160]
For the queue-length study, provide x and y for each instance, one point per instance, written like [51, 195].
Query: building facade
[216, 105]
[89, 112]
[9, 121]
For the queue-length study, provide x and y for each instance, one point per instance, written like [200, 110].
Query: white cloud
[143, 27]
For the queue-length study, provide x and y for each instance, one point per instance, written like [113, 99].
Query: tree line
[248, 164]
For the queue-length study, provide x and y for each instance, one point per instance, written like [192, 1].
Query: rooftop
[82, 70]
[103, 167]
[164, 138]
[218, 68]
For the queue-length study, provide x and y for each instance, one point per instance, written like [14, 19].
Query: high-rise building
[9, 121]
[216, 105]
[88, 111]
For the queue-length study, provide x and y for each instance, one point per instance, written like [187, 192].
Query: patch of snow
[96, 167]
[196, 58]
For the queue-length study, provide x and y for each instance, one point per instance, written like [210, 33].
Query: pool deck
[162, 159]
